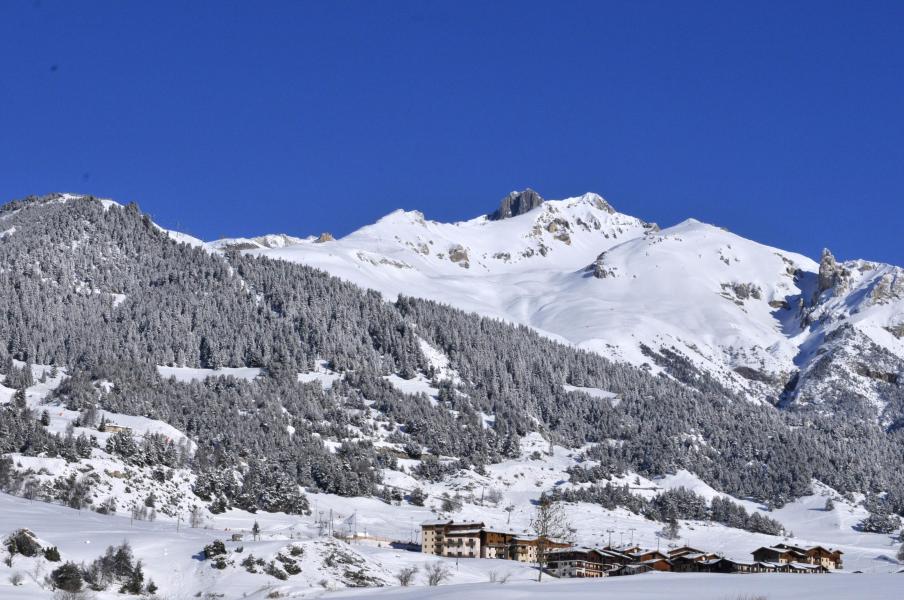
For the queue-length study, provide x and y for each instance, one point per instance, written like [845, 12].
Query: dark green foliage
[135, 581]
[22, 541]
[214, 549]
[678, 503]
[67, 577]
[417, 497]
[880, 522]
[52, 554]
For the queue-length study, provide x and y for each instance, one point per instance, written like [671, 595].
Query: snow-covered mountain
[149, 375]
[774, 325]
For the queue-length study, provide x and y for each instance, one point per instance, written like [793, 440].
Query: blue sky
[782, 121]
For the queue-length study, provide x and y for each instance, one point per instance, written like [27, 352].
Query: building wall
[432, 540]
[462, 546]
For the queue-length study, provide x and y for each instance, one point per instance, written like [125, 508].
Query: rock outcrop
[517, 203]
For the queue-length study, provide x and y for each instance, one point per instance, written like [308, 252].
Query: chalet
[647, 555]
[689, 563]
[779, 554]
[808, 568]
[526, 548]
[631, 569]
[496, 544]
[683, 550]
[576, 562]
[658, 564]
[828, 558]
[615, 557]
[625, 549]
[785, 554]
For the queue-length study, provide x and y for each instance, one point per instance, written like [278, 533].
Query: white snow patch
[188, 374]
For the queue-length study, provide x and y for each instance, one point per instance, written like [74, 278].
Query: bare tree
[16, 578]
[406, 576]
[437, 573]
[548, 523]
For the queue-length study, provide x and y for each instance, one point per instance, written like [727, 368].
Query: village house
[780, 555]
[463, 543]
[474, 540]
[576, 562]
[684, 550]
[647, 555]
[658, 564]
[433, 536]
[690, 562]
[787, 554]
[615, 557]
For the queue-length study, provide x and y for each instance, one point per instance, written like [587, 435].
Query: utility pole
[632, 535]
[610, 532]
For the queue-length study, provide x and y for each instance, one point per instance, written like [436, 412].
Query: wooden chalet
[787, 554]
[631, 569]
[658, 564]
[577, 562]
[778, 554]
[647, 555]
[684, 550]
[615, 557]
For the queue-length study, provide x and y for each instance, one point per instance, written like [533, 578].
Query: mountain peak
[517, 203]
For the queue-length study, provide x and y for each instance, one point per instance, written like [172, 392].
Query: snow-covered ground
[664, 585]
[169, 549]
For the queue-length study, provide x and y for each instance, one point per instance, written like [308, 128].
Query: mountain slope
[760, 320]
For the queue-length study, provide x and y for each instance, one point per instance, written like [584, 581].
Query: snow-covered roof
[455, 532]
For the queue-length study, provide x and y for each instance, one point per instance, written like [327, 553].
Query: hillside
[768, 324]
[149, 375]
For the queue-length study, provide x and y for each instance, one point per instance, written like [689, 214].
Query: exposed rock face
[326, 236]
[600, 269]
[459, 254]
[517, 203]
[829, 271]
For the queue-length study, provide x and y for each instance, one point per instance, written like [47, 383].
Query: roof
[462, 532]
[434, 523]
[685, 550]
[572, 549]
[780, 550]
[615, 553]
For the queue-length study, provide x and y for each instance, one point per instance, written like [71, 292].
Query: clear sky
[783, 121]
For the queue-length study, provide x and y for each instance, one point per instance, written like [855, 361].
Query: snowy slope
[752, 316]
[169, 550]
